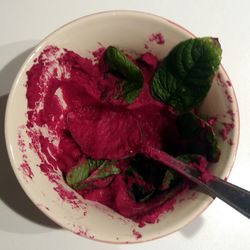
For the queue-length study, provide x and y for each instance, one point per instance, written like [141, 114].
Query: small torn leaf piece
[184, 77]
[172, 177]
[89, 171]
[94, 164]
[105, 170]
[132, 77]
[199, 136]
[168, 179]
[77, 174]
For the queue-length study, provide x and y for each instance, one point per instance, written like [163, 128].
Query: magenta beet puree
[77, 100]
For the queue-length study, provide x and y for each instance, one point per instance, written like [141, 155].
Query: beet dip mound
[90, 118]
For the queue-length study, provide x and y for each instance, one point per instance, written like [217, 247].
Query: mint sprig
[185, 75]
[132, 77]
[83, 175]
[106, 169]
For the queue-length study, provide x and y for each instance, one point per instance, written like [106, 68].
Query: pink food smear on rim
[229, 84]
[232, 115]
[229, 97]
[84, 233]
[72, 114]
[67, 195]
[45, 110]
[98, 53]
[26, 169]
[221, 82]
[24, 166]
[230, 142]
[226, 129]
[157, 38]
[212, 121]
[136, 234]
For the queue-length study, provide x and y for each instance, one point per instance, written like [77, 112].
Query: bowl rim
[16, 82]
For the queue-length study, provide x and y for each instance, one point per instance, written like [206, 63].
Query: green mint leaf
[169, 177]
[94, 164]
[77, 175]
[106, 169]
[81, 172]
[185, 75]
[118, 63]
[199, 136]
[103, 171]
[130, 91]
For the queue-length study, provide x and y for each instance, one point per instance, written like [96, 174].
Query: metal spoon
[234, 196]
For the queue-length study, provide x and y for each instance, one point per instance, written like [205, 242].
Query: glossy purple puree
[77, 101]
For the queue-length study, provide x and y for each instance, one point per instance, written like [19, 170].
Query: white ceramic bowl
[128, 30]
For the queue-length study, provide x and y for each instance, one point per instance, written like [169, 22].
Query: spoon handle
[236, 197]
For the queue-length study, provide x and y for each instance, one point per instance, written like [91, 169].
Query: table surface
[24, 23]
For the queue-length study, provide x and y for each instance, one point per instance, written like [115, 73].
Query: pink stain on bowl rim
[136, 234]
[158, 38]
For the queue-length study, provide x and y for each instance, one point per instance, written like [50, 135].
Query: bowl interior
[130, 31]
